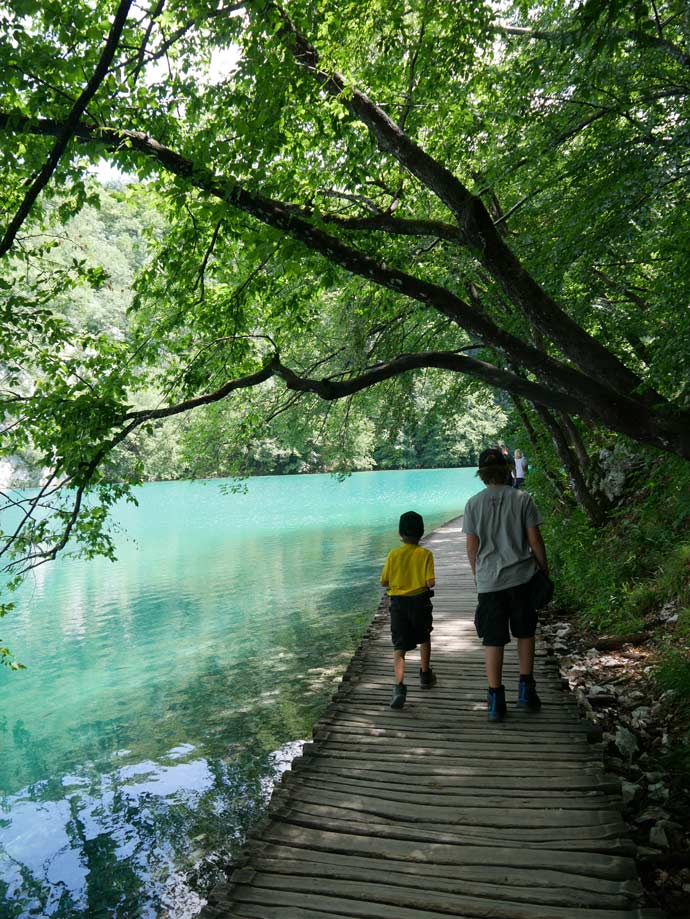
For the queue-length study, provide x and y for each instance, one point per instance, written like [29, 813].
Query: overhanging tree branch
[283, 217]
[475, 223]
[616, 410]
[67, 127]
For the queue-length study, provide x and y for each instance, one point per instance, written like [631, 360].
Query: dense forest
[434, 423]
[355, 236]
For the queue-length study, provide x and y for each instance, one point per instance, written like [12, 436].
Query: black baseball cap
[491, 457]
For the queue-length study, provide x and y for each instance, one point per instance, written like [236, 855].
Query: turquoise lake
[164, 692]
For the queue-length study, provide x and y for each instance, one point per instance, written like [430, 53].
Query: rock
[652, 815]
[635, 696]
[658, 791]
[614, 642]
[641, 715]
[625, 742]
[599, 690]
[658, 837]
[629, 791]
[646, 852]
[603, 699]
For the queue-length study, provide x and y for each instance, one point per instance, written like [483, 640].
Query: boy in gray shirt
[505, 547]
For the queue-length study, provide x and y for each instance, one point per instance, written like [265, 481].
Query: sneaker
[399, 695]
[527, 694]
[427, 678]
[496, 704]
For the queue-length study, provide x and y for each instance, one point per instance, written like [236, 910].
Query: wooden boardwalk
[431, 811]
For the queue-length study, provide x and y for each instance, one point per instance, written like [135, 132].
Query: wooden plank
[382, 873]
[486, 874]
[472, 799]
[457, 775]
[380, 901]
[605, 839]
[502, 764]
[336, 740]
[613, 867]
[448, 813]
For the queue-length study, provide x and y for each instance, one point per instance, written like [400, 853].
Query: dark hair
[411, 526]
[493, 467]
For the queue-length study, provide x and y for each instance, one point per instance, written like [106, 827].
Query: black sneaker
[399, 695]
[427, 678]
[527, 695]
[496, 704]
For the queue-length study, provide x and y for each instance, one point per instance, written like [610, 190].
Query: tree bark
[544, 464]
[593, 509]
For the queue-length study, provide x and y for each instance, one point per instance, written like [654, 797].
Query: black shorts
[411, 621]
[502, 612]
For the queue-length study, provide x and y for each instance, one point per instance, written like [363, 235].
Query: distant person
[504, 547]
[520, 470]
[409, 576]
[509, 464]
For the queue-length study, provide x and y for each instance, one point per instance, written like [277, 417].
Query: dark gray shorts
[411, 621]
[501, 613]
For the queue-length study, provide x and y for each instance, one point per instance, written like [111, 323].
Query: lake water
[164, 692]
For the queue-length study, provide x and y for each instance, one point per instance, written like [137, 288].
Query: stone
[658, 837]
[641, 715]
[625, 742]
[652, 815]
[629, 791]
[658, 791]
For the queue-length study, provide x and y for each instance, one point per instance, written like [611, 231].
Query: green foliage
[573, 133]
[6, 657]
[618, 574]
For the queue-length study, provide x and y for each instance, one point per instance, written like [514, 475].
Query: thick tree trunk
[592, 507]
[576, 441]
[537, 451]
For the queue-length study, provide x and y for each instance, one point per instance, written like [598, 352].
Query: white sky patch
[106, 172]
[222, 64]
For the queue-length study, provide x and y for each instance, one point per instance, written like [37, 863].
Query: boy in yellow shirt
[409, 576]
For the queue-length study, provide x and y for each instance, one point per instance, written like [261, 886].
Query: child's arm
[472, 550]
[384, 575]
[430, 573]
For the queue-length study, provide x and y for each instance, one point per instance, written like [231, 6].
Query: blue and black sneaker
[427, 678]
[399, 695]
[527, 694]
[496, 704]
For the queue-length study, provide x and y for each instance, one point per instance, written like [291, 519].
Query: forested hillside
[425, 422]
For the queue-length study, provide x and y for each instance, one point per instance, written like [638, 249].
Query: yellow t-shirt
[407, 570]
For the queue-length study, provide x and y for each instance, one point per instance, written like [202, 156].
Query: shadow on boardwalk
[430, 811]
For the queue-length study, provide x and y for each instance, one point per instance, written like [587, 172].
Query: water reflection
[109, 844]
[138, 747]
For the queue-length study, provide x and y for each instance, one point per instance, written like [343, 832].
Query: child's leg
[399, 664]
[493, 661]
[425, 655]
[526, 655]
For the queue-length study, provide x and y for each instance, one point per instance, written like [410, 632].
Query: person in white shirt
[520, 470]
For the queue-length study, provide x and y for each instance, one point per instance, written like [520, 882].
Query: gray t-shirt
[499, 516]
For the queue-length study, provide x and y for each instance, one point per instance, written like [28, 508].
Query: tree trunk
[591, 506]
[556, 484]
